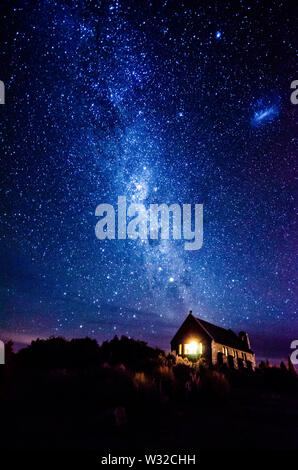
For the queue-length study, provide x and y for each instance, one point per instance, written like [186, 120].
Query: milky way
[163, 102]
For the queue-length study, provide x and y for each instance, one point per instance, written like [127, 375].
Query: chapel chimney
[244, 338]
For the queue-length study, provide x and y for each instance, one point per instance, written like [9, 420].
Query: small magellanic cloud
[264, 115]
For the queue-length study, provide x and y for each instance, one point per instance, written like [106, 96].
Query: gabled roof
[222, 336]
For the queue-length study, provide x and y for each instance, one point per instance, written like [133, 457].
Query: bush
[214, 384]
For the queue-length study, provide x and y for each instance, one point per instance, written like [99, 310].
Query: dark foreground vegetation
[123, 395]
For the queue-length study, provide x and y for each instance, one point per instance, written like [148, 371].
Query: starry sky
[163, 102]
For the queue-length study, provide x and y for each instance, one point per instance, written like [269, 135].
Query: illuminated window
[180, 349]
[225, 350]
[193, 348]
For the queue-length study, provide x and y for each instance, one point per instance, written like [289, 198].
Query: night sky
[163, 102]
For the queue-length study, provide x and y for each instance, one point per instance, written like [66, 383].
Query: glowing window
[193, 348]
[180, 349]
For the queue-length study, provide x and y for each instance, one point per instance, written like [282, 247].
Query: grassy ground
[158, 404]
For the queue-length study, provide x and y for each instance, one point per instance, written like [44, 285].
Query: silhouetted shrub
[136, 355]
[214, 384]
